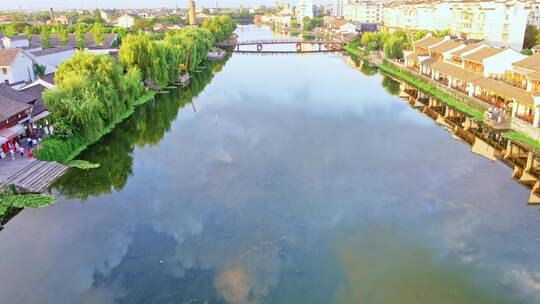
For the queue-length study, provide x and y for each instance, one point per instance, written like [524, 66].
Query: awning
[9, 133]
[39, 116]
[18, 129]
[520, 71]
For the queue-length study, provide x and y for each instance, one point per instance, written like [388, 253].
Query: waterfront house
[447, 45]
[421, 47]
[489, 61]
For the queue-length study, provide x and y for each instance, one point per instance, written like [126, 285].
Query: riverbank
[63, 151]
[431, 89]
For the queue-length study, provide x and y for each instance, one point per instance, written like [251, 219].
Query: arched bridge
[333, 45]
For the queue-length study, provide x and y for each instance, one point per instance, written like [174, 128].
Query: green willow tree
[91, 93]
[220, 27]
[159, 60]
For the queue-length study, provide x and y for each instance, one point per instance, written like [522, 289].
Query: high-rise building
[364, 11]
[304, 8]
[192, 14]
[499, 23]
[337, 7]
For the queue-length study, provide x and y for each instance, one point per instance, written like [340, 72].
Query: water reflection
[146, 126]
[317, 187]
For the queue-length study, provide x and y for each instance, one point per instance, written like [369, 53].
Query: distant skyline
[90, 4]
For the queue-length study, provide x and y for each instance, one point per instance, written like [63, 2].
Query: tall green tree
[97, 33]
[80, 40]
[393, 47]
[530, 39]
[44, 37]
[63, 37]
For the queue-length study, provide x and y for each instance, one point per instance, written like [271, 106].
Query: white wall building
[54, 56]
[13, 42]
[304, 8]
[361, 11]
[125, 21]
[15, 66]
[337, 7]
[500, 23]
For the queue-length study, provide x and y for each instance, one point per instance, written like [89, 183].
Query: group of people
[16, 147]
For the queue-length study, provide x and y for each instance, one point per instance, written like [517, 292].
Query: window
[4, 71]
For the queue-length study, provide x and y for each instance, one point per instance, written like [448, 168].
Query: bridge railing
[281, 41]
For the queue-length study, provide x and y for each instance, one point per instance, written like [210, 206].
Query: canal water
[279, 179]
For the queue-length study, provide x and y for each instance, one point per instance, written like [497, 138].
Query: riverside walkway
[30, 175]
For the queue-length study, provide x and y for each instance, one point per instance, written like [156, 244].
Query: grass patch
[63, 151]
[516, 136]
[352, 49]
[431, 90]
[82, 164]
[8, 199]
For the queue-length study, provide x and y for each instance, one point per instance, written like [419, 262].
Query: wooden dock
[36, 176]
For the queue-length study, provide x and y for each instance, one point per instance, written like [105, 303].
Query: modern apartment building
[304, 8]
[499, 23]
[363, 11]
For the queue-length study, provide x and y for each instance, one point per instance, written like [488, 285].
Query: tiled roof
[530, 63]
[10, 107]
[427, 41]
[482, 54]
[36, 91]
[7, 56]
[48, 78]
[445, 46]
[53, 50]
[88, 38]
[17, 37]
[468, 48]
[454, 71]
[505, 90]
[8, 92]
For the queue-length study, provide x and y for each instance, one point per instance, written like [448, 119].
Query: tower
[191, 13]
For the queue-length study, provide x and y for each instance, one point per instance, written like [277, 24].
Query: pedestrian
[29, 153]
[5, 148]
[21, 150]
[29, 141]
[34, 142]
[2, 155]
[12, 153]
[17, 146]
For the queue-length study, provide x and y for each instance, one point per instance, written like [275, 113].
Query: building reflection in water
[483, 140]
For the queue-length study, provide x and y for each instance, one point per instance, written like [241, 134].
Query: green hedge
[63, 151]
[427, 88]
[516, 136]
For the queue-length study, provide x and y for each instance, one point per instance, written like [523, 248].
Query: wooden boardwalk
[36, 176]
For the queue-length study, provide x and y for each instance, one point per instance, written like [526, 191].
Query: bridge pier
[238, 47]
[320, 47]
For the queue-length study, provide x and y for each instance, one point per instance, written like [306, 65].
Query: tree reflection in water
[390, 85]
[146, 126]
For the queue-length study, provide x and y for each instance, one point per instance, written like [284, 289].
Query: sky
[67, 4]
